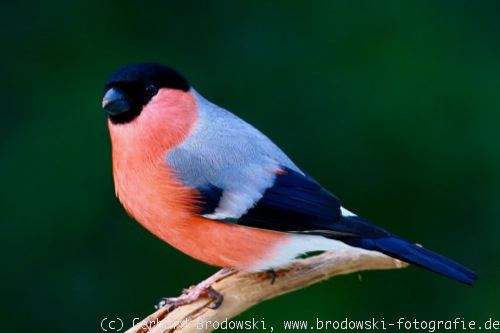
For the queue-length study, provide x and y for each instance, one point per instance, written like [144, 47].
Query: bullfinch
[216, 188]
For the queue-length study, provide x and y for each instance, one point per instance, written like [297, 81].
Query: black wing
[295, 203]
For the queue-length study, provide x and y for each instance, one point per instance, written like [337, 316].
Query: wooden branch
[243, 290]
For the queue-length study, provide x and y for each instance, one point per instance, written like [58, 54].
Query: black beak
[115, 102]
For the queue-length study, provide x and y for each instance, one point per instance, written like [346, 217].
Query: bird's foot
[272, 275]
[192, 294]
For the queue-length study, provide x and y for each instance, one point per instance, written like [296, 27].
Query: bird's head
[131, 88]
[148, 105]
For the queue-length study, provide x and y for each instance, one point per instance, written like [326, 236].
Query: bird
[219, 190]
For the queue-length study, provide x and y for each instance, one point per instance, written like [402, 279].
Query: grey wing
[228, 160]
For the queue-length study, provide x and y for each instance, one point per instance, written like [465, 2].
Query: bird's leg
[193, 293]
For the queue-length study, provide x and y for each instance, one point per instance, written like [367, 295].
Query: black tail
[401, 249]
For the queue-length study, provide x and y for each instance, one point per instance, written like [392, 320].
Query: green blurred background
[394, 106]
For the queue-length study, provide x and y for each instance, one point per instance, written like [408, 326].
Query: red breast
[151, 193]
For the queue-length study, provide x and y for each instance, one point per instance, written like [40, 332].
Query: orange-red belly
[153, 196]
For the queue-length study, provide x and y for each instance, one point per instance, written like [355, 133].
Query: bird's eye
[151, 90]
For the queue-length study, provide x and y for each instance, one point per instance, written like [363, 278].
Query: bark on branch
[243, 290]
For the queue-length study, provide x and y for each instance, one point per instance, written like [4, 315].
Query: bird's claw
[216, 297]
[272, 274]
[164, 301]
